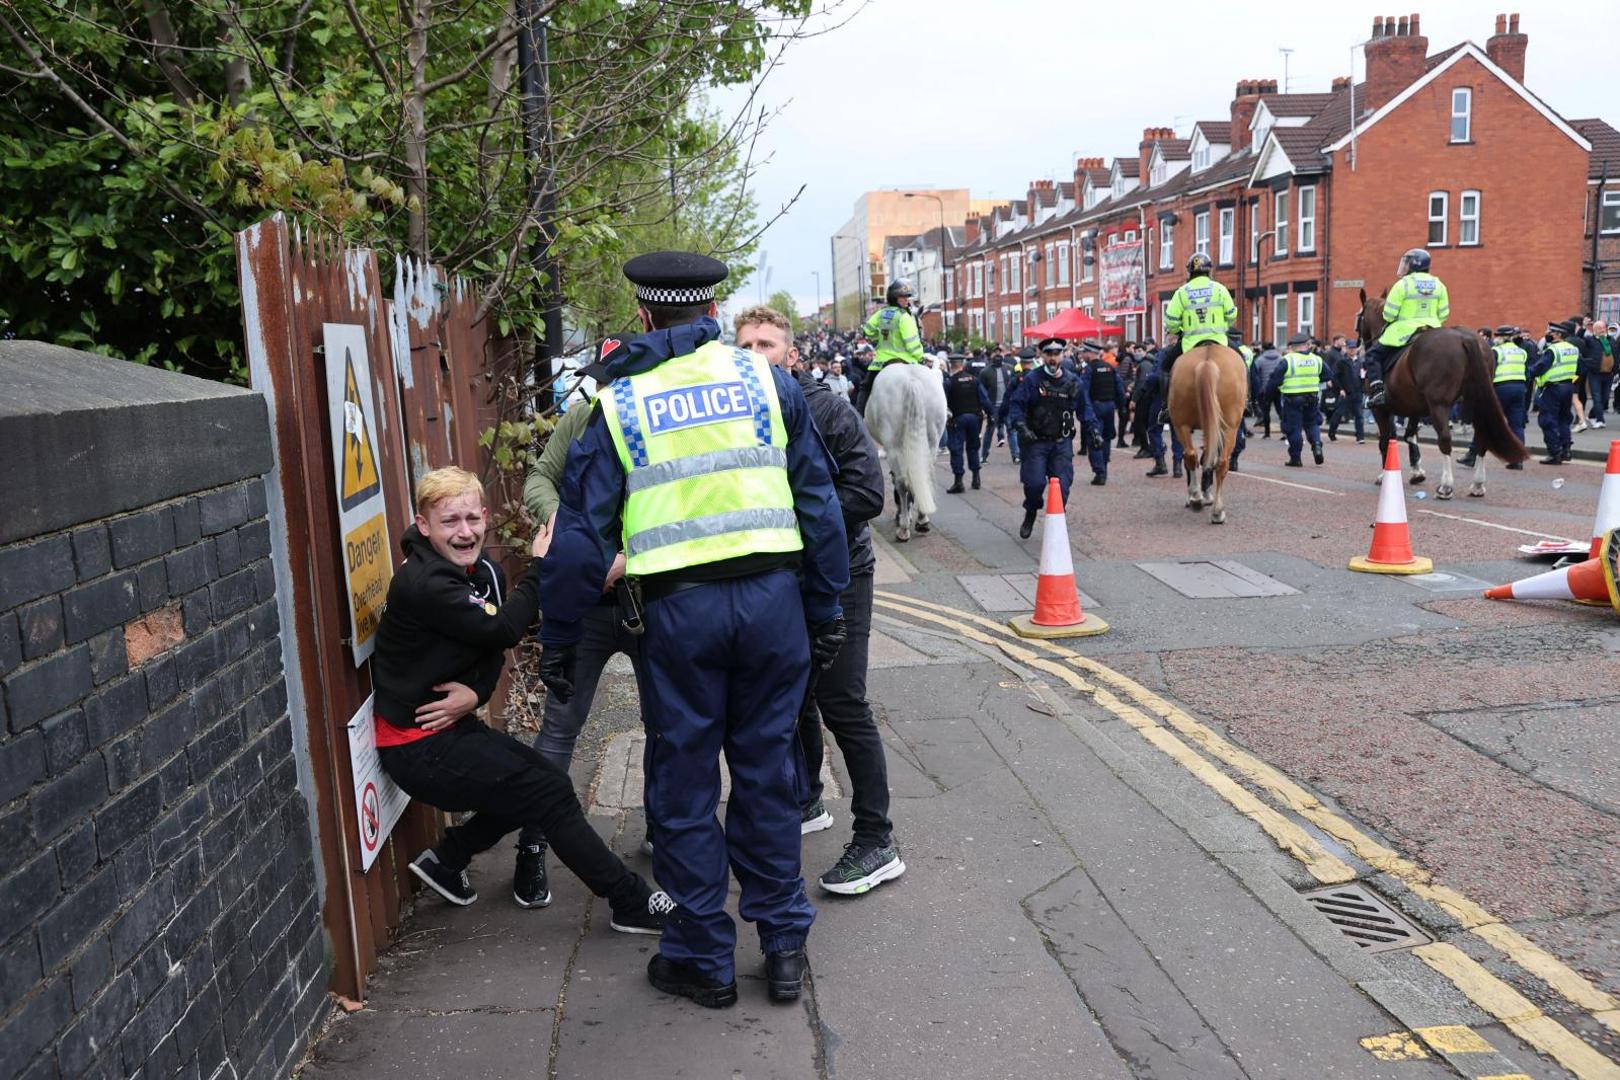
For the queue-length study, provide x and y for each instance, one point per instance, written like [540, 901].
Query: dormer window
[1157, 176]
[1262, 127]
[1201, 157]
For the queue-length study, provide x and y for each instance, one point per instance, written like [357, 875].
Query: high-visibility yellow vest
[895, 331]
[704, 452]
[1248, 356]
[1510, 361]
[1417, 300]
[1566, 362]
[1200, 311]
[1304, 375]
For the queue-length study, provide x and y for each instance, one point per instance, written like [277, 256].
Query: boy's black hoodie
[444, 624]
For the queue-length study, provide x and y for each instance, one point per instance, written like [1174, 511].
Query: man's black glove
[826, 641]
[1026, 434]
[557, 671]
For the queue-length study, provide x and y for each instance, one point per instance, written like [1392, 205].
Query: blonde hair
[763, 314]
[446, 483]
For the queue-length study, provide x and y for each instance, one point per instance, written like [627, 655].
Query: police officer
[1555, 372]
[1511, 390]
[1152, 386]
[1042, 409]
[894, 329]
[1298, 379]
[1200, 311]
[968, 405]
[1103, 387]
[1417, 300]
[701, 463]
[1234, 341]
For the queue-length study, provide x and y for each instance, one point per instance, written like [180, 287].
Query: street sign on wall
[363, 520]
[378, 801]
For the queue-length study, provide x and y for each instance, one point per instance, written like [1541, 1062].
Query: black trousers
[508, 785]
[840, 700]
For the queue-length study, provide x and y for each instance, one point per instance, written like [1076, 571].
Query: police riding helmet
[896, 290]
[1415, 261]
[1199, 264]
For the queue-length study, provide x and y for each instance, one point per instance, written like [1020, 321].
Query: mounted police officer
[701, 461]
[1416, 301]
[1555, 372]
[1101, 383]
[1299, 381]
[894, 329]
[967, 405]
[1200, 311]
[1042, 408]
[1510, 384]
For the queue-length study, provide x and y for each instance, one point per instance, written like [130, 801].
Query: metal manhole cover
[1365, 919]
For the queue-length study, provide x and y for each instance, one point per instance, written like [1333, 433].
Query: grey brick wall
[158, 906]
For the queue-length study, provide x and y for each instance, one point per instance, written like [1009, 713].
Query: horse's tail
[916, 452]
[1490, 423]
[1209, 411]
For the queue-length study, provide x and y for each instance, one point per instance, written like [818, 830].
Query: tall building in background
[858, 273]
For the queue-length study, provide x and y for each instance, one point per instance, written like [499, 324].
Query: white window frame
[1156, 176]
[1047, 253]
[1610, 201]
[1015, 285]
[1088, 304]
[946, 281]
[1228, 235]
[1443, 219]
[1001, 270]
[1305, 317]
[1462, 108]
[1254, 232]
[1201, 157]
[1088, 270]
[1465, 219]
[1608, 308]
[1279, 326]
[1063, 262]
[1167, 243]
[1256, 317]
[1201, 232]
[1307, 222]
[1279, 221]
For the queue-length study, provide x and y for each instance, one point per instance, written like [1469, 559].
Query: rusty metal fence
[435, 368]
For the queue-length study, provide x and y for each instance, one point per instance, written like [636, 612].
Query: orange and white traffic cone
[1391, 551]
[1591, 582]
[1608, 511]
[1057, 599]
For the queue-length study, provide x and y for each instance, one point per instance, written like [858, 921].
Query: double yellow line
[1143, 711]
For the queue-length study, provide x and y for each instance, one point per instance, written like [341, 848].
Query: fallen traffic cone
[1608, 512]
[1057, 600]
[1590, 582]
[1391, 551]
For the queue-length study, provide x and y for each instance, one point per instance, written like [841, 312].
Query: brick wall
[158, 907]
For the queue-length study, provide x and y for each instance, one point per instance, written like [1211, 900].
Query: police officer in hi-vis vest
[894, 329]
[1512, 390]
[701, 463]
[1417, 300]
[1299, 380]
[1201, 311]
[1555, 372]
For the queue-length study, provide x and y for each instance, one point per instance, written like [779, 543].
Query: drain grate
[1366, 919]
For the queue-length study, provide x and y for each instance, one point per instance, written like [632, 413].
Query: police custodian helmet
[1415, 261]
[897, 288]
[1199, 264]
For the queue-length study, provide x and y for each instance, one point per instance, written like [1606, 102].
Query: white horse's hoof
[902, 535]
[1218, 517]
[1477, 491]
[924, 525]
[1444, 493]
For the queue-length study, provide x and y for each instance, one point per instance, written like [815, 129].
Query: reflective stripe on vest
[1565, 365]
[1304, 374]
[701, 441]
[1509, 363]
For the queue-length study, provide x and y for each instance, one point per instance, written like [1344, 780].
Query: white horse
[906, 415]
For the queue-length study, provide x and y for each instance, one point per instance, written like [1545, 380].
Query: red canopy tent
[1073, 324]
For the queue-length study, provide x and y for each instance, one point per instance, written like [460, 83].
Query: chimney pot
[1402, 30]
[1415, 31]
[1501, 24]
[1389, 26]
[1378, 26]
[1513, 23]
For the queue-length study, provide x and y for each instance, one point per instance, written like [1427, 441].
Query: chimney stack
[1244, 103]
[1507, 47]
[1341, 82]
[1395, 57]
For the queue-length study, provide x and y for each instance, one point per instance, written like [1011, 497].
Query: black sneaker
[648, 917]
[683, 980]
[450, 884]
[529, 886]
[784, 974]
[814, 818]
[862, 868]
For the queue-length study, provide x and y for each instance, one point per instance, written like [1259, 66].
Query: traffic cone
[1057, 600]
[1608, 511]
[1589, 582]
[1391, 551]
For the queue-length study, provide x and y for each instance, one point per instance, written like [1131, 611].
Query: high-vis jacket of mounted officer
[1200, 311]
[1303, 375]
[1415, 301]
[893, 330]
[701, 441]
[1510, 361]
[1565, 365]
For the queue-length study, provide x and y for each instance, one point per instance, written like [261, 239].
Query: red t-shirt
[389, 735]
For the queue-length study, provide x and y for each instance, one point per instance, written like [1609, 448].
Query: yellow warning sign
[365, 556]
[359, 471]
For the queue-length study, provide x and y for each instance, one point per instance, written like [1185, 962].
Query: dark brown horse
[1440, 367]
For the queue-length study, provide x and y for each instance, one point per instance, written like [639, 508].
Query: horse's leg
[1386, 434]
[1415, 452]
[1476, 490]
[1440, 416]
[902, 514]
[1189, 462]
[1217, 513]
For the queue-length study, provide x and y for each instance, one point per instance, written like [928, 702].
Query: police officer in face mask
[968, 405]
[1042, 409]
[1103, 387]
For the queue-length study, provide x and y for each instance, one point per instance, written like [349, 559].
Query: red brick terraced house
[1302, 200]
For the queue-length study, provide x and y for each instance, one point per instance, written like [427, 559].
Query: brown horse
[1207, 391]
[1439, 368]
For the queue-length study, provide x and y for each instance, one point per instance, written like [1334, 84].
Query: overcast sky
[988, 96]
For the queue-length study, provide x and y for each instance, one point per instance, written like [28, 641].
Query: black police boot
[1567, 456]
[1232, 466]
[1028, 526]
[1175, 469]
[684, 980]
[1099, 479]
[1468, 460]
[1158, 467]
[1375, 394]
[1144, 452]
[1316, 452]
[975, 479]
[1294, 463]
[956, 488]
[784, 974]
[1553, 458]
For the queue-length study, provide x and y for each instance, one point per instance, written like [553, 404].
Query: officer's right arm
[586, 536]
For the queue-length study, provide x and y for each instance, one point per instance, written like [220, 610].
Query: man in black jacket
[839, 693]
[446, 628]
